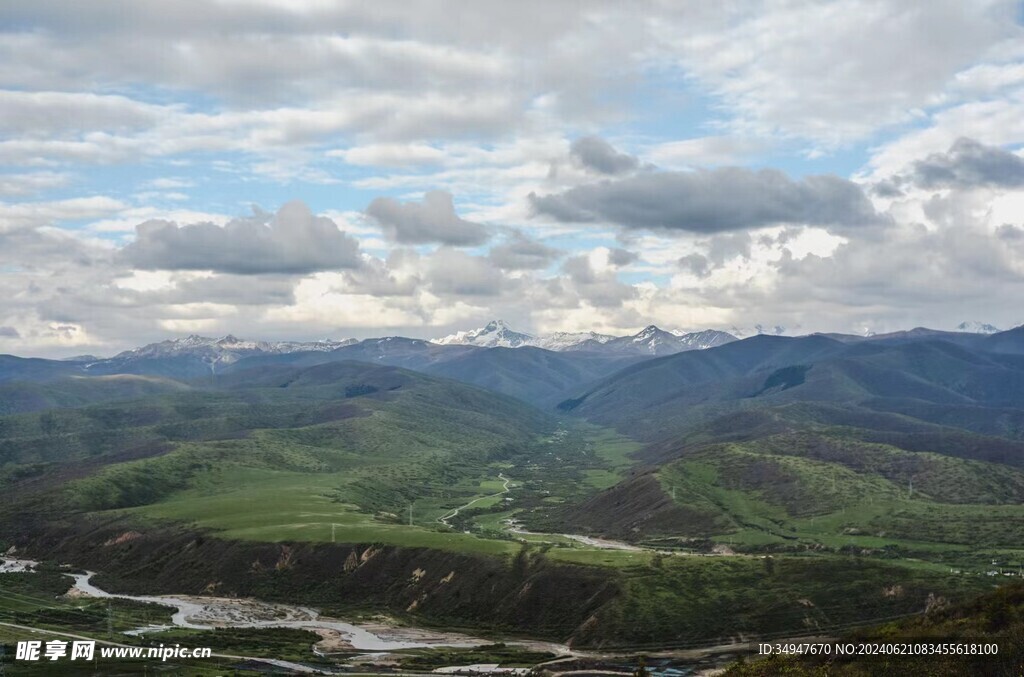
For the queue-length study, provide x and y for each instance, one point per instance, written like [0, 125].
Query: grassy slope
[682, 601]
[798, 490]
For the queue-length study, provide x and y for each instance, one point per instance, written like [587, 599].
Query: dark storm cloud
[969, 164]
[432, 221]
[597, 155]
[710, 201]
[293, 241]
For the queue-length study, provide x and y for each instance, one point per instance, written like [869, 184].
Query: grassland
[267, 505]
[803, 492]
[360, 481]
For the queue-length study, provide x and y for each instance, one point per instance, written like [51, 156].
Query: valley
[766, 487]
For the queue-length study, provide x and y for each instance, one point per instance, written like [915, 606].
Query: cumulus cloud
[619, 257]
[724, 247]
[969, 164]
[600, 288]
[696, 264]
[9, 332]
[709, 201]
[521, 253]
[398, 275]
[432, 221]
[451, 272]
[293, 241]
[597, 155]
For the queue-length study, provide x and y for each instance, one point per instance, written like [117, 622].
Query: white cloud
[704, 152]
[28, 214]
[169, 183]
[19, 185]
[390, 155]
[995, 122]
[432, 220]
[836, 72]
[292, 241]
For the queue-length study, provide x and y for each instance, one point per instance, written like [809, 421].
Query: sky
[306, 169]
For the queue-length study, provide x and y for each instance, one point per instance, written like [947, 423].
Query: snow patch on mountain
[570, 340]
[651, 340]
[708, 338]
[225, 350]
[977, 328]
[495, 334]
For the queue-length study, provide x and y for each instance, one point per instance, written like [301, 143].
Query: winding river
[207, 613]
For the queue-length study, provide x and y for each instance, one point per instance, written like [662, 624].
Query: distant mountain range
[494, 356]
[226, 349]
[757, 330]
[649, 341]
[977, 328]
[197, 355]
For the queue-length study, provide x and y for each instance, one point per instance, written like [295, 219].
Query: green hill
[995, 618]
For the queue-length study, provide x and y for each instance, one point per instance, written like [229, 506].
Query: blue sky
[825, 166]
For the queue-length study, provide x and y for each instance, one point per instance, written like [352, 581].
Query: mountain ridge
[651, 340]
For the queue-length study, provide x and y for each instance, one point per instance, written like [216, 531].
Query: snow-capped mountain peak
[648, 333]
[651, 340]
[707, 338]
[977, 328]
[224, 349]
[572, 340]
[495, 334]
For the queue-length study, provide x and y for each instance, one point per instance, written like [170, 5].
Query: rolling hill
[856, 465]
[534, 375]
[789, 443]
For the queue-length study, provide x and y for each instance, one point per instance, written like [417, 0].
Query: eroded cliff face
[524, 595]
